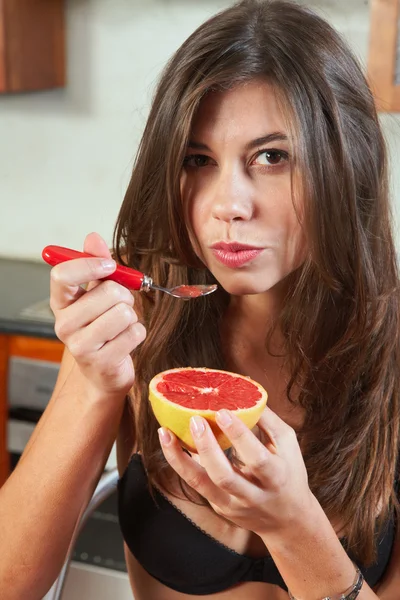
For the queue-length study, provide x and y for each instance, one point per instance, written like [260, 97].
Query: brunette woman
[263, 168]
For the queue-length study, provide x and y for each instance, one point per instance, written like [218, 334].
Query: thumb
[96, 245]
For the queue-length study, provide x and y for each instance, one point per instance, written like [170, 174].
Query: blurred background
[66, 154]
[76, 81]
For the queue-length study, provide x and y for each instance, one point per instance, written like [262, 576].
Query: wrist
[78, 386]
[351, 593]
[309, 555]
[99, 397]
[303, 520]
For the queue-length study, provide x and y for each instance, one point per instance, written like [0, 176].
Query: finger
[278, 432]
[105, 328]
[91, 306]
[190, 471]
[94, 244]
[66, 278]
[123, 344]
[216, 463]
[254, 454]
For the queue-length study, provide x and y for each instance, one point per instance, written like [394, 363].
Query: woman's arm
[44, 497]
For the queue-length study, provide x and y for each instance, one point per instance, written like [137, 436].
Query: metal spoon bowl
[187, 292]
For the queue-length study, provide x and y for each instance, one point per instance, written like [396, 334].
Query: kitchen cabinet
[384, 54]
[12, 345]
[32, 40]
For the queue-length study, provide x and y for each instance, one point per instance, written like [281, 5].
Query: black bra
[178, 553]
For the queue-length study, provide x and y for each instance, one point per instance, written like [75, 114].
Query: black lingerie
[178, 553]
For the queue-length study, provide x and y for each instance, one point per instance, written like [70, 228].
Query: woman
[282, 199]
[262, 167]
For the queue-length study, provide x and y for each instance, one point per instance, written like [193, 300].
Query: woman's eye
[271, 157]
[196, 160]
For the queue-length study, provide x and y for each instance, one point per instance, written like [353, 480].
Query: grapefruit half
[177, 395]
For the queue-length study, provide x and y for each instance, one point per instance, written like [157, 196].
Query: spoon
[133, 280]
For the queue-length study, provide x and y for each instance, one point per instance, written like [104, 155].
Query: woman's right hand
[99, 326]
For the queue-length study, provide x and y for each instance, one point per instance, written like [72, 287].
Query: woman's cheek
[196, 246]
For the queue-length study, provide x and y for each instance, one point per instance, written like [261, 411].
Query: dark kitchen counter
[23, 284]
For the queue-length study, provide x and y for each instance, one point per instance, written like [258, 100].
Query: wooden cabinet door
[384, 54]
[32, 53]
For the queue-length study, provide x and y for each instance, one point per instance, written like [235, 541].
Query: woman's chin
[241, 283]
[242, 288]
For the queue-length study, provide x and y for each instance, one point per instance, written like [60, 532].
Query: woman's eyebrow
[276, 136]
[198, 146]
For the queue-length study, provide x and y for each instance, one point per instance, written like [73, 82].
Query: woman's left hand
[269, 495]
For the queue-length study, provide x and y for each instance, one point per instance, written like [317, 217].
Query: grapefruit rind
[176, 418]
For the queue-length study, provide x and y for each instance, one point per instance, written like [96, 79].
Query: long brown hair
[340, 319]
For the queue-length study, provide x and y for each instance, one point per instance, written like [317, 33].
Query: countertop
[23, 284]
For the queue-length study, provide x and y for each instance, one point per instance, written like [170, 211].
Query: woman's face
[236, 189]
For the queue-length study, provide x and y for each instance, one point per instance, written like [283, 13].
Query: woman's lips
[236, 258]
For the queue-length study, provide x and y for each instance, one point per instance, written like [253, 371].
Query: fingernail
[165, 436]
[108, 264]
[197, 426]
[224, 417]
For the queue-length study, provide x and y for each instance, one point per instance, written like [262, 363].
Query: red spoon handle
[124, 275]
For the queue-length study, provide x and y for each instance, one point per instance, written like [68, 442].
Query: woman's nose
[232, 197]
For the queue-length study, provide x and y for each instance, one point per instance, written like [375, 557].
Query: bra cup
[188, 559]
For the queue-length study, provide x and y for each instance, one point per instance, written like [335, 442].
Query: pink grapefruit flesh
[178, 394]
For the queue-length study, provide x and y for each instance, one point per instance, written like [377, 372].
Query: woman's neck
[255, 316]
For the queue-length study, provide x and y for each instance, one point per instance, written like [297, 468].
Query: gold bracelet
[350, 594]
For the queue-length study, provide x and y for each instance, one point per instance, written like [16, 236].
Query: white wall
[66, 155]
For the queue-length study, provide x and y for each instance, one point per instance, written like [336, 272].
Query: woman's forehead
[248, 110]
